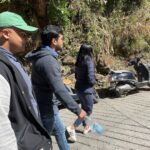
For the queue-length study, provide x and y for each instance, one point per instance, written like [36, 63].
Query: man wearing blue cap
[20, 123]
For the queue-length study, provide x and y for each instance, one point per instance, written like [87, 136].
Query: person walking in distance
[85, 80]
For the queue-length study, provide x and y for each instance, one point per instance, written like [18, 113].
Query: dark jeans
[87, 105]
[55, 126]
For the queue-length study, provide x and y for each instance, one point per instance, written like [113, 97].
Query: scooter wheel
[120, 93]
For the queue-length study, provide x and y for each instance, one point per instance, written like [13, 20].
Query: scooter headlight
[109, 79]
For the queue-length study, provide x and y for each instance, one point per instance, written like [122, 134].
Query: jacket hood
[40, 52]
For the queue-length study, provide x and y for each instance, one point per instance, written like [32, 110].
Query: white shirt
[7, 135]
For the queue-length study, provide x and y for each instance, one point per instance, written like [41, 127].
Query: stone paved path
[126, 122]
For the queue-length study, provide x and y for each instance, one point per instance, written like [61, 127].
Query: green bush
[58, 12]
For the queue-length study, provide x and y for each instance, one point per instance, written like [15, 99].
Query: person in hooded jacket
[47, 81]
[85, 80]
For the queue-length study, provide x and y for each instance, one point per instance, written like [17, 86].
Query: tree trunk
[40, 10]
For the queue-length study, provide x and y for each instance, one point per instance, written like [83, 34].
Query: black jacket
[85, 76]
[30, 133]
[46, 79]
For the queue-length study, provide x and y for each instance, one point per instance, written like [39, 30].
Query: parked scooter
[123, 81]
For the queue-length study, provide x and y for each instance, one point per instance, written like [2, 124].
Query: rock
[101, 65]
[68, 60]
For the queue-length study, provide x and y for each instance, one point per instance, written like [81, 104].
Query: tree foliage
[116, 27]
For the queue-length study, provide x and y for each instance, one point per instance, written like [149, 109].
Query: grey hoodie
[47, 81]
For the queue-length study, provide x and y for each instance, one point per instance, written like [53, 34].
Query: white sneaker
[87, 130]
[72, 134]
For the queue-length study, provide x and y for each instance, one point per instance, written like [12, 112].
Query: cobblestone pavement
[126, 122]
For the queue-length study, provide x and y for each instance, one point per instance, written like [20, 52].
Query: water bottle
[97, 128]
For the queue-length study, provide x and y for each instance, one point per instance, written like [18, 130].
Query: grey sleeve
[52, 74]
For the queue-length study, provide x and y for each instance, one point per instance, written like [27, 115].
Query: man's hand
[82, 114]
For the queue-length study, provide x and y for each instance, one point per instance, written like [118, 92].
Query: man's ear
[5, 33]
[54, 41]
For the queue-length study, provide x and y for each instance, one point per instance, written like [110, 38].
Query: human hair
[85, 52]
[49, 32]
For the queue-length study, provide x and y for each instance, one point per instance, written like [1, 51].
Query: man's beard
[58, 48]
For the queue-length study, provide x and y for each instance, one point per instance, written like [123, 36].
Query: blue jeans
[55, 126]
[87, 105]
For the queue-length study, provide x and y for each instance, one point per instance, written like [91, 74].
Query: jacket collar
[7, 53]
[51, 50]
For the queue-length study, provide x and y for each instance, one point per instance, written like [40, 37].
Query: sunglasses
[24, 35]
